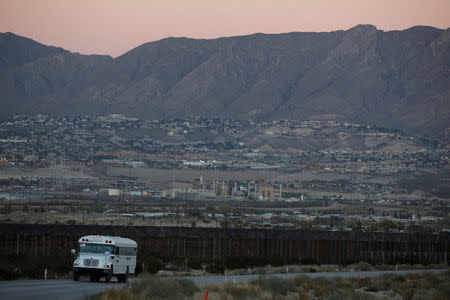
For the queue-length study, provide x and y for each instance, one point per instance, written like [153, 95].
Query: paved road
[71, 290]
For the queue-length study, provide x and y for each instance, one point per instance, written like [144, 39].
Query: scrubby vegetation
[152, 263]
[20, 266]
[411, 286]
[150, 287]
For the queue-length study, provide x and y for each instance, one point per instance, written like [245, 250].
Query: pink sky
[114, 27]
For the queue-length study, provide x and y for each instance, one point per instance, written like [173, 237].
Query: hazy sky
[114, 27]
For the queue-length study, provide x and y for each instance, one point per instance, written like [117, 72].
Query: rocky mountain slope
[398, 79]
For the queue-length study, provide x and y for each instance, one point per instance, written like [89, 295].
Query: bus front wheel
[76, 276]
[109, 275]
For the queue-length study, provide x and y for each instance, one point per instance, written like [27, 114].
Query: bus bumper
[91, 271]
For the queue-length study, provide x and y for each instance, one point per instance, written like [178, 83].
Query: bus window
[127, 251]
[96, 248]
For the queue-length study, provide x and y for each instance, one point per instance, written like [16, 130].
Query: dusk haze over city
[224, 149]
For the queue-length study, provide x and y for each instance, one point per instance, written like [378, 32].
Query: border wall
[327, 247]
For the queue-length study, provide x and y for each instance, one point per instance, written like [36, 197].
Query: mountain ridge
[397, 79]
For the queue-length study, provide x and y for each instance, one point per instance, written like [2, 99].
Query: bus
[104, 256]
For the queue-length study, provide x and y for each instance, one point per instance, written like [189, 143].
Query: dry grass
[408, 287]
[360, 266]
[413, 286]
[151, 287]
[292, 269]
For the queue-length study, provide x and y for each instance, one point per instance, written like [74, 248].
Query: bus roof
[106, 239]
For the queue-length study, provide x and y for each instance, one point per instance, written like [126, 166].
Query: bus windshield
[96, 248]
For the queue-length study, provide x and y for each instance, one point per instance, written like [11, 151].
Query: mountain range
[395, 79]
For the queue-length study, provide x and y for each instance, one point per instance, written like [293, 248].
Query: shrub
[217, 268]
[423, 294]
[9, 273]
[153, 287]
[252, 261]
[20, 266]
[261, 271]
[443, 291]
[362, 266]
[194, 263]
[359, 283]
[344, 283]
[278, 285]
[372, 288]
[240, 291]
[346, 294]
[308, 284]
[112, 294]
[382, 283]
[151, 263]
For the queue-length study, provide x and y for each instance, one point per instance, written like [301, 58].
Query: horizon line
[223, 37]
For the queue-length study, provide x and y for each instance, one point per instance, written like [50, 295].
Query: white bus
[104, 256]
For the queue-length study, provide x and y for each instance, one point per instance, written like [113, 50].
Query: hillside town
[216, 144]
[292, 174]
